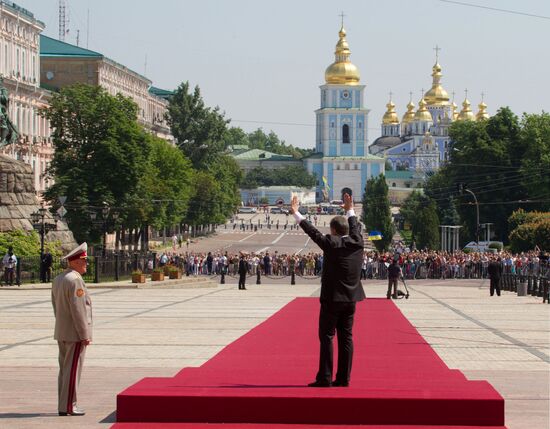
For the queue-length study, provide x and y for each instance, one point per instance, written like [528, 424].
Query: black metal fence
[111, 267]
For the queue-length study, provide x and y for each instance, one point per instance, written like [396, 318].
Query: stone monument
[17, 192]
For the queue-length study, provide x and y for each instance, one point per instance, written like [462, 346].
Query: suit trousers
[71, 359]
[242, 279]
[495, 285]
[392, 281]
[336, 316]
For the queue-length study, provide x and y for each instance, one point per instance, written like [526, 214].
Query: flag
[325, 181]
[375, 235]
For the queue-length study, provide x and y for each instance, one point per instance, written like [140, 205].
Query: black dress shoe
[320, 384]
[75, 412]
[337, 383]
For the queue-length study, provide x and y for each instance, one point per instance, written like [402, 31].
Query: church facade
[342, 159]
[420, 142]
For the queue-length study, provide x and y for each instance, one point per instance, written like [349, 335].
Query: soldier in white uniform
[72, 308]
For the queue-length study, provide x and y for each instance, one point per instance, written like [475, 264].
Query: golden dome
[390, 117]
[482, 114]
[422, 114]
[342, 71]
[408, 117]
[454, 108]
[466, 113]
[436, 95]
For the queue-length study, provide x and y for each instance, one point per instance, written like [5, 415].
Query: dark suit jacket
[342, 261]
[494, 269]
[243, 266]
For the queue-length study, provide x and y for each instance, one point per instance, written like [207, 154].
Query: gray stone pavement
[148, 332]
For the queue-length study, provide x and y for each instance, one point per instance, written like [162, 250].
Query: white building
[20, 69]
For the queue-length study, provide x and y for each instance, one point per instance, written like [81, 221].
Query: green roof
[55, 48]
[260, 155]
[405, 174]
[162, 93]
[394, 174]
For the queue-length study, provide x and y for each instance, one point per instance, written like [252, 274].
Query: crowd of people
[414, 264]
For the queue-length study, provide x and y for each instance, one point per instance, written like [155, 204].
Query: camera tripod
[400, 293]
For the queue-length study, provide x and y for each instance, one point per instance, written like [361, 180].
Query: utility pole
[77, 37]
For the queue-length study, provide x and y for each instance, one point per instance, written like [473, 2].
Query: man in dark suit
[495, 270]
[243, 269]
[341, 288]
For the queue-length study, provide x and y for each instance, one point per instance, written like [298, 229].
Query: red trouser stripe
[72, 379]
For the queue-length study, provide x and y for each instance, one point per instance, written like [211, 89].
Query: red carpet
[260, 379]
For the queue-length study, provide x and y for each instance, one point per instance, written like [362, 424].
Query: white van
[247, 210]
[483, 246]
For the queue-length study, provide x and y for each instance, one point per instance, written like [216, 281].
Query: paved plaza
[147, 332]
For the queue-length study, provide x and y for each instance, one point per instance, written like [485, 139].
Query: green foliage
[376, 211]
[501, 160]
[421, 213]
[100, 151]
[26, 243]
[198, 129]
[291, 175]
[271, 142]
[264, 200]
[529, 229]
[496, 246]
[166, 184]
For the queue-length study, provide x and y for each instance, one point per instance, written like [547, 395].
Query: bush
[158, 270]
[529, 229]
[26, 243]
[496, 246]
[137, 272]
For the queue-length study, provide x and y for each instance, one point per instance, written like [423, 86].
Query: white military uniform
[72, 308]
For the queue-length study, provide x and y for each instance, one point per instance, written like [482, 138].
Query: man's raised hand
[348, 202]
[294, 205]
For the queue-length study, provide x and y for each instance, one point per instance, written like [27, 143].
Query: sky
[262, 61]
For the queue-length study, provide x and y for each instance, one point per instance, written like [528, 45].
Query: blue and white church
[420, 141]
[342, 159]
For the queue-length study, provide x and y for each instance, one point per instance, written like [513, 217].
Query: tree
[376, 211]
[198, 130]
[427, 227]
[271, 142]
[290, 175]
[529, 229]
[420, 212]
[503, 161]
[100, 151]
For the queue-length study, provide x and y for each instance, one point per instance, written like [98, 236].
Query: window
[345, 133]
[356, 167]
[338, 167]
[393, 185]
[346, 166]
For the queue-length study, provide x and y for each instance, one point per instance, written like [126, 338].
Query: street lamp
[462, 187]
[105, 211]
[39, 224]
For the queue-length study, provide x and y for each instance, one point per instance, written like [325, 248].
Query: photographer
[394, 273]
[9, 262]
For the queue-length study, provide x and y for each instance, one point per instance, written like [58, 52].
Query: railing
[112, 267]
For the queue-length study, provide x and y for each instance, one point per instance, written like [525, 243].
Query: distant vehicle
[247, 210]
[483, 246]
[336, 202]
[275, 210]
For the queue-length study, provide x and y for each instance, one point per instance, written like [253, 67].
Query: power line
[297, 124]
[514, 12]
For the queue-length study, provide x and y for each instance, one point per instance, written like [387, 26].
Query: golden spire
[408, 117]
[466, 113]
[454, 108]
[390, 117]
[422, 114]
[342, 71]
[436, 95]
[482, 114]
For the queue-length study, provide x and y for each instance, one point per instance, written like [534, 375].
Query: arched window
[345, 133]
